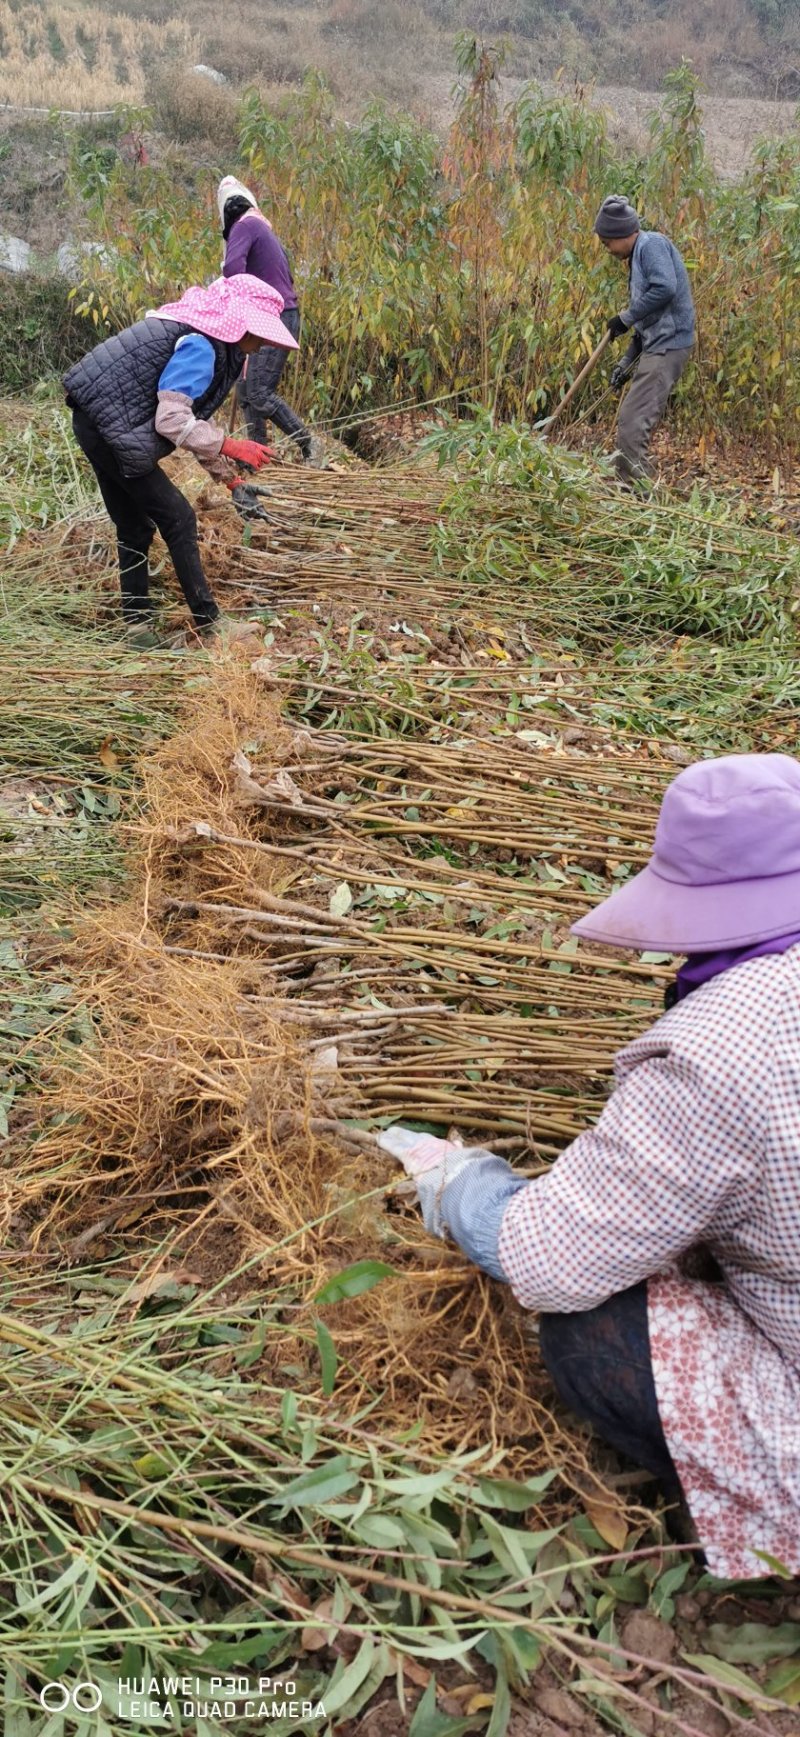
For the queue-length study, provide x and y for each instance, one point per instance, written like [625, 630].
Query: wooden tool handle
[587, 369]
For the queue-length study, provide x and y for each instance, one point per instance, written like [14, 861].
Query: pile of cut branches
[257, 1417]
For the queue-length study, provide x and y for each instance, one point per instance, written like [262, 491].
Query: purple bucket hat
[725, 870]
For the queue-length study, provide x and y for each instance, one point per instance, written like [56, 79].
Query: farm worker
[155, 387]
[698, 1146]
[660, 322]
[252, 246]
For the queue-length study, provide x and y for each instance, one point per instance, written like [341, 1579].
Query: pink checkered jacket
[699, 1143]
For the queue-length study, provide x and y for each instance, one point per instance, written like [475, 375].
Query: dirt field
[733, 124]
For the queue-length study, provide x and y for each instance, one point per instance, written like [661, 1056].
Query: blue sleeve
[190, 368]
[661, 280]
[473, 1205]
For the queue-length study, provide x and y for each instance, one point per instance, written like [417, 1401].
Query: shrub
[188, 107]
[431, 275]
[40, 331]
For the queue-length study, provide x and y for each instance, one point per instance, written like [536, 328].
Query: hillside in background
[72, 54]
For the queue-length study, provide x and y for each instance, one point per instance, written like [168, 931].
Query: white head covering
[229, 188]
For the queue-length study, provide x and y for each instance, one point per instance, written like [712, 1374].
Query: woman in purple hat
[698, 1147]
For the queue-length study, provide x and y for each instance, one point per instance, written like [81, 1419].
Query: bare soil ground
[733, 125]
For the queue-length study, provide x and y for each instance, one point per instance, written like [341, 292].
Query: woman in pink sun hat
[151, 388]
[697, 1149]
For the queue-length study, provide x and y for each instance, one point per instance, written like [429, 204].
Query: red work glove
[247, 452]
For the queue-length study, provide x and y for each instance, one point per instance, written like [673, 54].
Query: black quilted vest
[116, 386]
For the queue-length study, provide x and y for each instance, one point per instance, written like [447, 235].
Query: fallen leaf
[478, 1703]
[152, 1466]
[341, 900]
[155, 1282]
[315, 1636]
[283, 1588]
[536, 737]
[132, 1216]
[608, 1521]
[107, 756]
[417, 1674]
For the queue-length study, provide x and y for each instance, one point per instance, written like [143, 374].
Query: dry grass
[74, 56]
[78, 57]
[723, 39]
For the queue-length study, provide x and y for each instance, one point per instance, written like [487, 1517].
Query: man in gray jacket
[660, 320]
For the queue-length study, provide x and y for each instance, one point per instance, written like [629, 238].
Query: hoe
[587, 369]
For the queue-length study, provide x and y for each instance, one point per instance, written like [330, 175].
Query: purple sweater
[252, 246]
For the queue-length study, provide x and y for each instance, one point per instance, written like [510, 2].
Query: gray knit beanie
[616, 219]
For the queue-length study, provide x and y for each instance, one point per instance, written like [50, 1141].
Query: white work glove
[431, 1163]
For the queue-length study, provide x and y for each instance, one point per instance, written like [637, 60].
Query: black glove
[617, 327]
[245, 499]
[619, 376]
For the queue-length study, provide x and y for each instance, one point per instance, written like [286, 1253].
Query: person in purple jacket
[661, 1250]
[252, 246]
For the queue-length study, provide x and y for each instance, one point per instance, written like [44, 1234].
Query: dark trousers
[657, 373]
[257, 393]
[601, 1367]
[138, 506]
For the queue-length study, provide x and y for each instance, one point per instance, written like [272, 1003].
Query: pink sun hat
[229, 307]
[725, 870]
